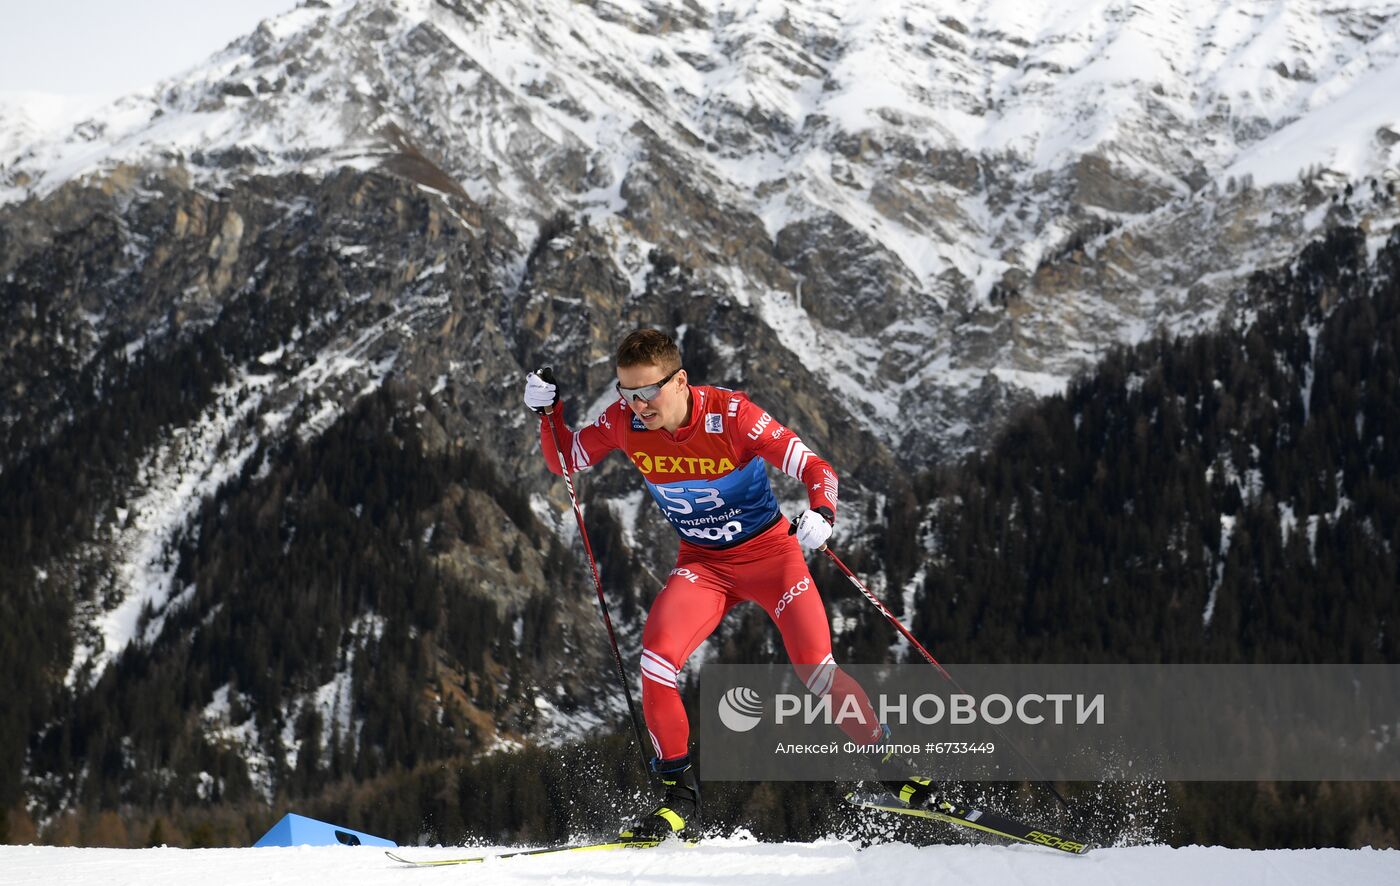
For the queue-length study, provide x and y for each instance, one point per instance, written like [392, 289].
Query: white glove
[539, 394]
[812, 529]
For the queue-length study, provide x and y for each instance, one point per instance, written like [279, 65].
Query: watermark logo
[740, 709]
[1076, 722]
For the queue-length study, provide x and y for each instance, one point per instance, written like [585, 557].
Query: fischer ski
[546, 850]
[979, 819]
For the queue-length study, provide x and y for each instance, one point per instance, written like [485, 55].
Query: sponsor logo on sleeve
[757, 430]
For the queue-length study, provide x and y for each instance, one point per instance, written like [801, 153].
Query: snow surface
[1340, 130]
[36, 116]
[724, 861]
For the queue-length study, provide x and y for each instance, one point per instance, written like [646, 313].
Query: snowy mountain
[937, 212]
[907, 194]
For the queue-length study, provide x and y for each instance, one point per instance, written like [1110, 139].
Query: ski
[980, 819]
[546, 850]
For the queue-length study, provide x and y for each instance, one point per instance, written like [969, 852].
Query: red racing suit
[709, 480]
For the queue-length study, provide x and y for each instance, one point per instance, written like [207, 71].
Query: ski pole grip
[546, 374]
[792, 530]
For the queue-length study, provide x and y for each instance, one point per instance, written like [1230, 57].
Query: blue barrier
[298, 830]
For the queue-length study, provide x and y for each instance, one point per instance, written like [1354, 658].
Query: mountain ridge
[927, 141]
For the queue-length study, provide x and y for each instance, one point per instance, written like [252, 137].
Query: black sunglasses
[646, 392]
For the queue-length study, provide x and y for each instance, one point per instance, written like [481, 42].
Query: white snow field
[722, 861]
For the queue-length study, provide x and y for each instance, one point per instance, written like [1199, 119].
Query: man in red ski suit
[702, 453]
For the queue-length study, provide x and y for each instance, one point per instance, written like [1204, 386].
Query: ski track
[732, 861]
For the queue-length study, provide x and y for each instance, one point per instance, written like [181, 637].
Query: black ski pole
[928, 656]
[546, 373]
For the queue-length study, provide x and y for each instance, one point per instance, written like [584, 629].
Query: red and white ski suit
[709, 480]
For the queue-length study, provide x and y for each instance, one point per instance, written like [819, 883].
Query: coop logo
[715, 533]
[740, 709]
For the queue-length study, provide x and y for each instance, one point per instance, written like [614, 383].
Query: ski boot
[914, 791]
[679, 811]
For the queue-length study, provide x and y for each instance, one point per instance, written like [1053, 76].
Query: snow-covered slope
[770, 89]
[33, 117]
[729, 861]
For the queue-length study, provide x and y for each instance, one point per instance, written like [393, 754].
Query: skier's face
[666, 405]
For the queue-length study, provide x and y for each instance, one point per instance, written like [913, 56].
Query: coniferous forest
[1228, 497]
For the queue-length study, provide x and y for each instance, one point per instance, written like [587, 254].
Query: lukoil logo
[740, 709]
[757, 430]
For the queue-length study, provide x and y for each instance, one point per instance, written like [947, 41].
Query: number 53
[679, 503]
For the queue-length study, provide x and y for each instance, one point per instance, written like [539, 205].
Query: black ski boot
[914, 791]
[679, 811]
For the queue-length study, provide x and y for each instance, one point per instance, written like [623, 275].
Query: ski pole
[928, 656]
[546, 373]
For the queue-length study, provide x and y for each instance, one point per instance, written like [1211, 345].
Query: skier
[701, 451]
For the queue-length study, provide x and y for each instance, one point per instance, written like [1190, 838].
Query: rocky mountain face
[891, 224]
